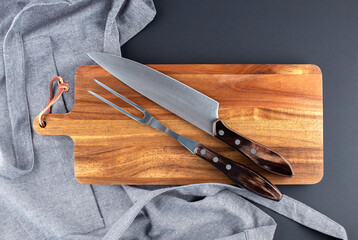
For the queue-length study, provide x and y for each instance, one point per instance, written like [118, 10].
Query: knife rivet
[221, 132]
[202, 152]
[253, 151]
[237, 141]
[228, 166]
[215, 159]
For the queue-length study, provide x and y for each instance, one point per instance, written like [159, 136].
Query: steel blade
[180, 99]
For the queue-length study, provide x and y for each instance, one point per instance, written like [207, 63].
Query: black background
[319, 32]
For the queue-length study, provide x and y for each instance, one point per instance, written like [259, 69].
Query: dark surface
[322, 32]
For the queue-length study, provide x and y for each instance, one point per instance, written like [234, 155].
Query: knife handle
[239, 174]
[256, 152]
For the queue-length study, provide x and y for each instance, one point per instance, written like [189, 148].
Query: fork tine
[120, 96]
[115, 106]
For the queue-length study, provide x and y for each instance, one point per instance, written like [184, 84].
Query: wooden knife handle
[256, 152]
[239, 174]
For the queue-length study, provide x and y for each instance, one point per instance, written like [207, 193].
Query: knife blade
[191, 105]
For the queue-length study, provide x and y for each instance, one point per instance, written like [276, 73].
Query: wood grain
[279, 106]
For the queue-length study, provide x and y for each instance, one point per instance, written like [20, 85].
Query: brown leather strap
[63, 87]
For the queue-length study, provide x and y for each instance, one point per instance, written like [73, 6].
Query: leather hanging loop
[63, 87]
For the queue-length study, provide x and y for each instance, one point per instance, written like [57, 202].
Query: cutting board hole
[43, 126]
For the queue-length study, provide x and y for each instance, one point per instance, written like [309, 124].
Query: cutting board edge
[243, 68]
[144, 181]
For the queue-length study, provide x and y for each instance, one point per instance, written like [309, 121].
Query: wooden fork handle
[254, 151]
[239, 174]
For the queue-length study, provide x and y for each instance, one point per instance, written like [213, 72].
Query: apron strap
[301, 213]
[287, 207]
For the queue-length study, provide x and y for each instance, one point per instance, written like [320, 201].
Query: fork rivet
[221, 132]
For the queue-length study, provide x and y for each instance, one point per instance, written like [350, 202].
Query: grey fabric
[214, 211]
[41, 39]
[39, 196]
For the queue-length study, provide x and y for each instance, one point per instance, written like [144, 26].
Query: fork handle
[239, 174]
[254, 151]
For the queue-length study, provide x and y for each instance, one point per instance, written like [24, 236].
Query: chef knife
[191, 105]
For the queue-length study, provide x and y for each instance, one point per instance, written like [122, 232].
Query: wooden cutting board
[279, 106]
